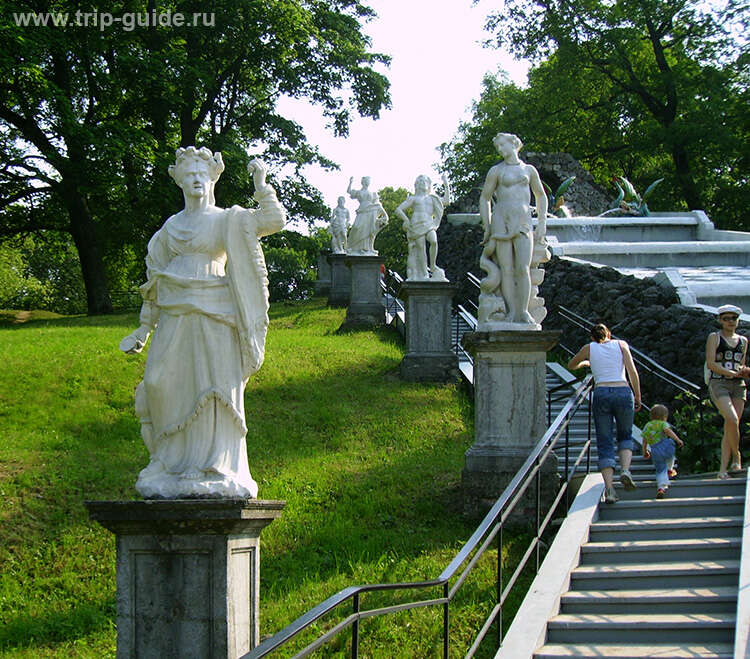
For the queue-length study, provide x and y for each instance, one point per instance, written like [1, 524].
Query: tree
[390, 243]
[90, 116]
[666, 75]
[292, 259]
[563, 108]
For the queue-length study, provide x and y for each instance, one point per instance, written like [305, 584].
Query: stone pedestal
[366, 308]
[323, 282]
[509, 415]
[341, 287]
[429, 357]
[188, 575]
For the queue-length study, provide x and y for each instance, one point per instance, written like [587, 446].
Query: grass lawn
[370, 468]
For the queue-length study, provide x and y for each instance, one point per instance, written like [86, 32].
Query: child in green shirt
[659, 442]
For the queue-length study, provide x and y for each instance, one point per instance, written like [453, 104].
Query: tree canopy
[644, 88]
[90, 116]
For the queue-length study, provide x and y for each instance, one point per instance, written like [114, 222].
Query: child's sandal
[722, 475]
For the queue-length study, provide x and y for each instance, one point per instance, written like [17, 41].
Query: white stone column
[188, 575]
[428, 332]
[509, 410]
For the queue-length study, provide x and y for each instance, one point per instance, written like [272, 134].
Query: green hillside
[369, 466]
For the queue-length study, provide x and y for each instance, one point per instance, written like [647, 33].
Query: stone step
[681, 488]
[732, 506]
[637, 468]
[625, 651]
[658, 628]
[635, 576]
[651, 600]
[660, 551]
[666, 529]
[661, 254]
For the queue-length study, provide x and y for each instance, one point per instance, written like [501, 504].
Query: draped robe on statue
[207, 295]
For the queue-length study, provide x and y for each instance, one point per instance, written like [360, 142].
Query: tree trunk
[685, 178]
[83, 231]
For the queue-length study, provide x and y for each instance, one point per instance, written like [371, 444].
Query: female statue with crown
[206, 302]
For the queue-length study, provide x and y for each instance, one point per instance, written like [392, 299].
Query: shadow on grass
[289, 309]
[125, 319]
[55, 626]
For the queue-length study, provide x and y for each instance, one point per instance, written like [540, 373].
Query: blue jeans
[612, 407]
[662, 455]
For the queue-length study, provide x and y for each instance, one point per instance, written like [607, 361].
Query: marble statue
[206, 302]
[421, 229]
[513, 249]
[339, 227]
[369, 219]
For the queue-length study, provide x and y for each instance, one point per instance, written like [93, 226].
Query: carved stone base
[509, 408]
[323, 282]
[428, 324]
[366, 308]
[188, 575]
[341, 278]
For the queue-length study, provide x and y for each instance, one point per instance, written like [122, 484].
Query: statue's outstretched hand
[258, 169]
[134, 342]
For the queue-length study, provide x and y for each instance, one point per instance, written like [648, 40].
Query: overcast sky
[436, 72]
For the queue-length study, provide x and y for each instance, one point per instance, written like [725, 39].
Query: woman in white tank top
[614, 403]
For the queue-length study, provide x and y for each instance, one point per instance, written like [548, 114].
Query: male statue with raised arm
[421, 229]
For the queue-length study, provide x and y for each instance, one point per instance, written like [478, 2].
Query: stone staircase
[653, 578]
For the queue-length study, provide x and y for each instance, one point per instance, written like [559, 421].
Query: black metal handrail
[474, 281]
[390, 282]
[463, 320]
[489, 529]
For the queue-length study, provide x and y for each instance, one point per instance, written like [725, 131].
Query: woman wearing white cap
[726, 352]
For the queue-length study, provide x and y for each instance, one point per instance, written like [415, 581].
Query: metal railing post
[446, 622]
[355, 627]
[458, 330]
[549, 408]
[588, 438]
[567, 462]
[538, 507]
[499, 618]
